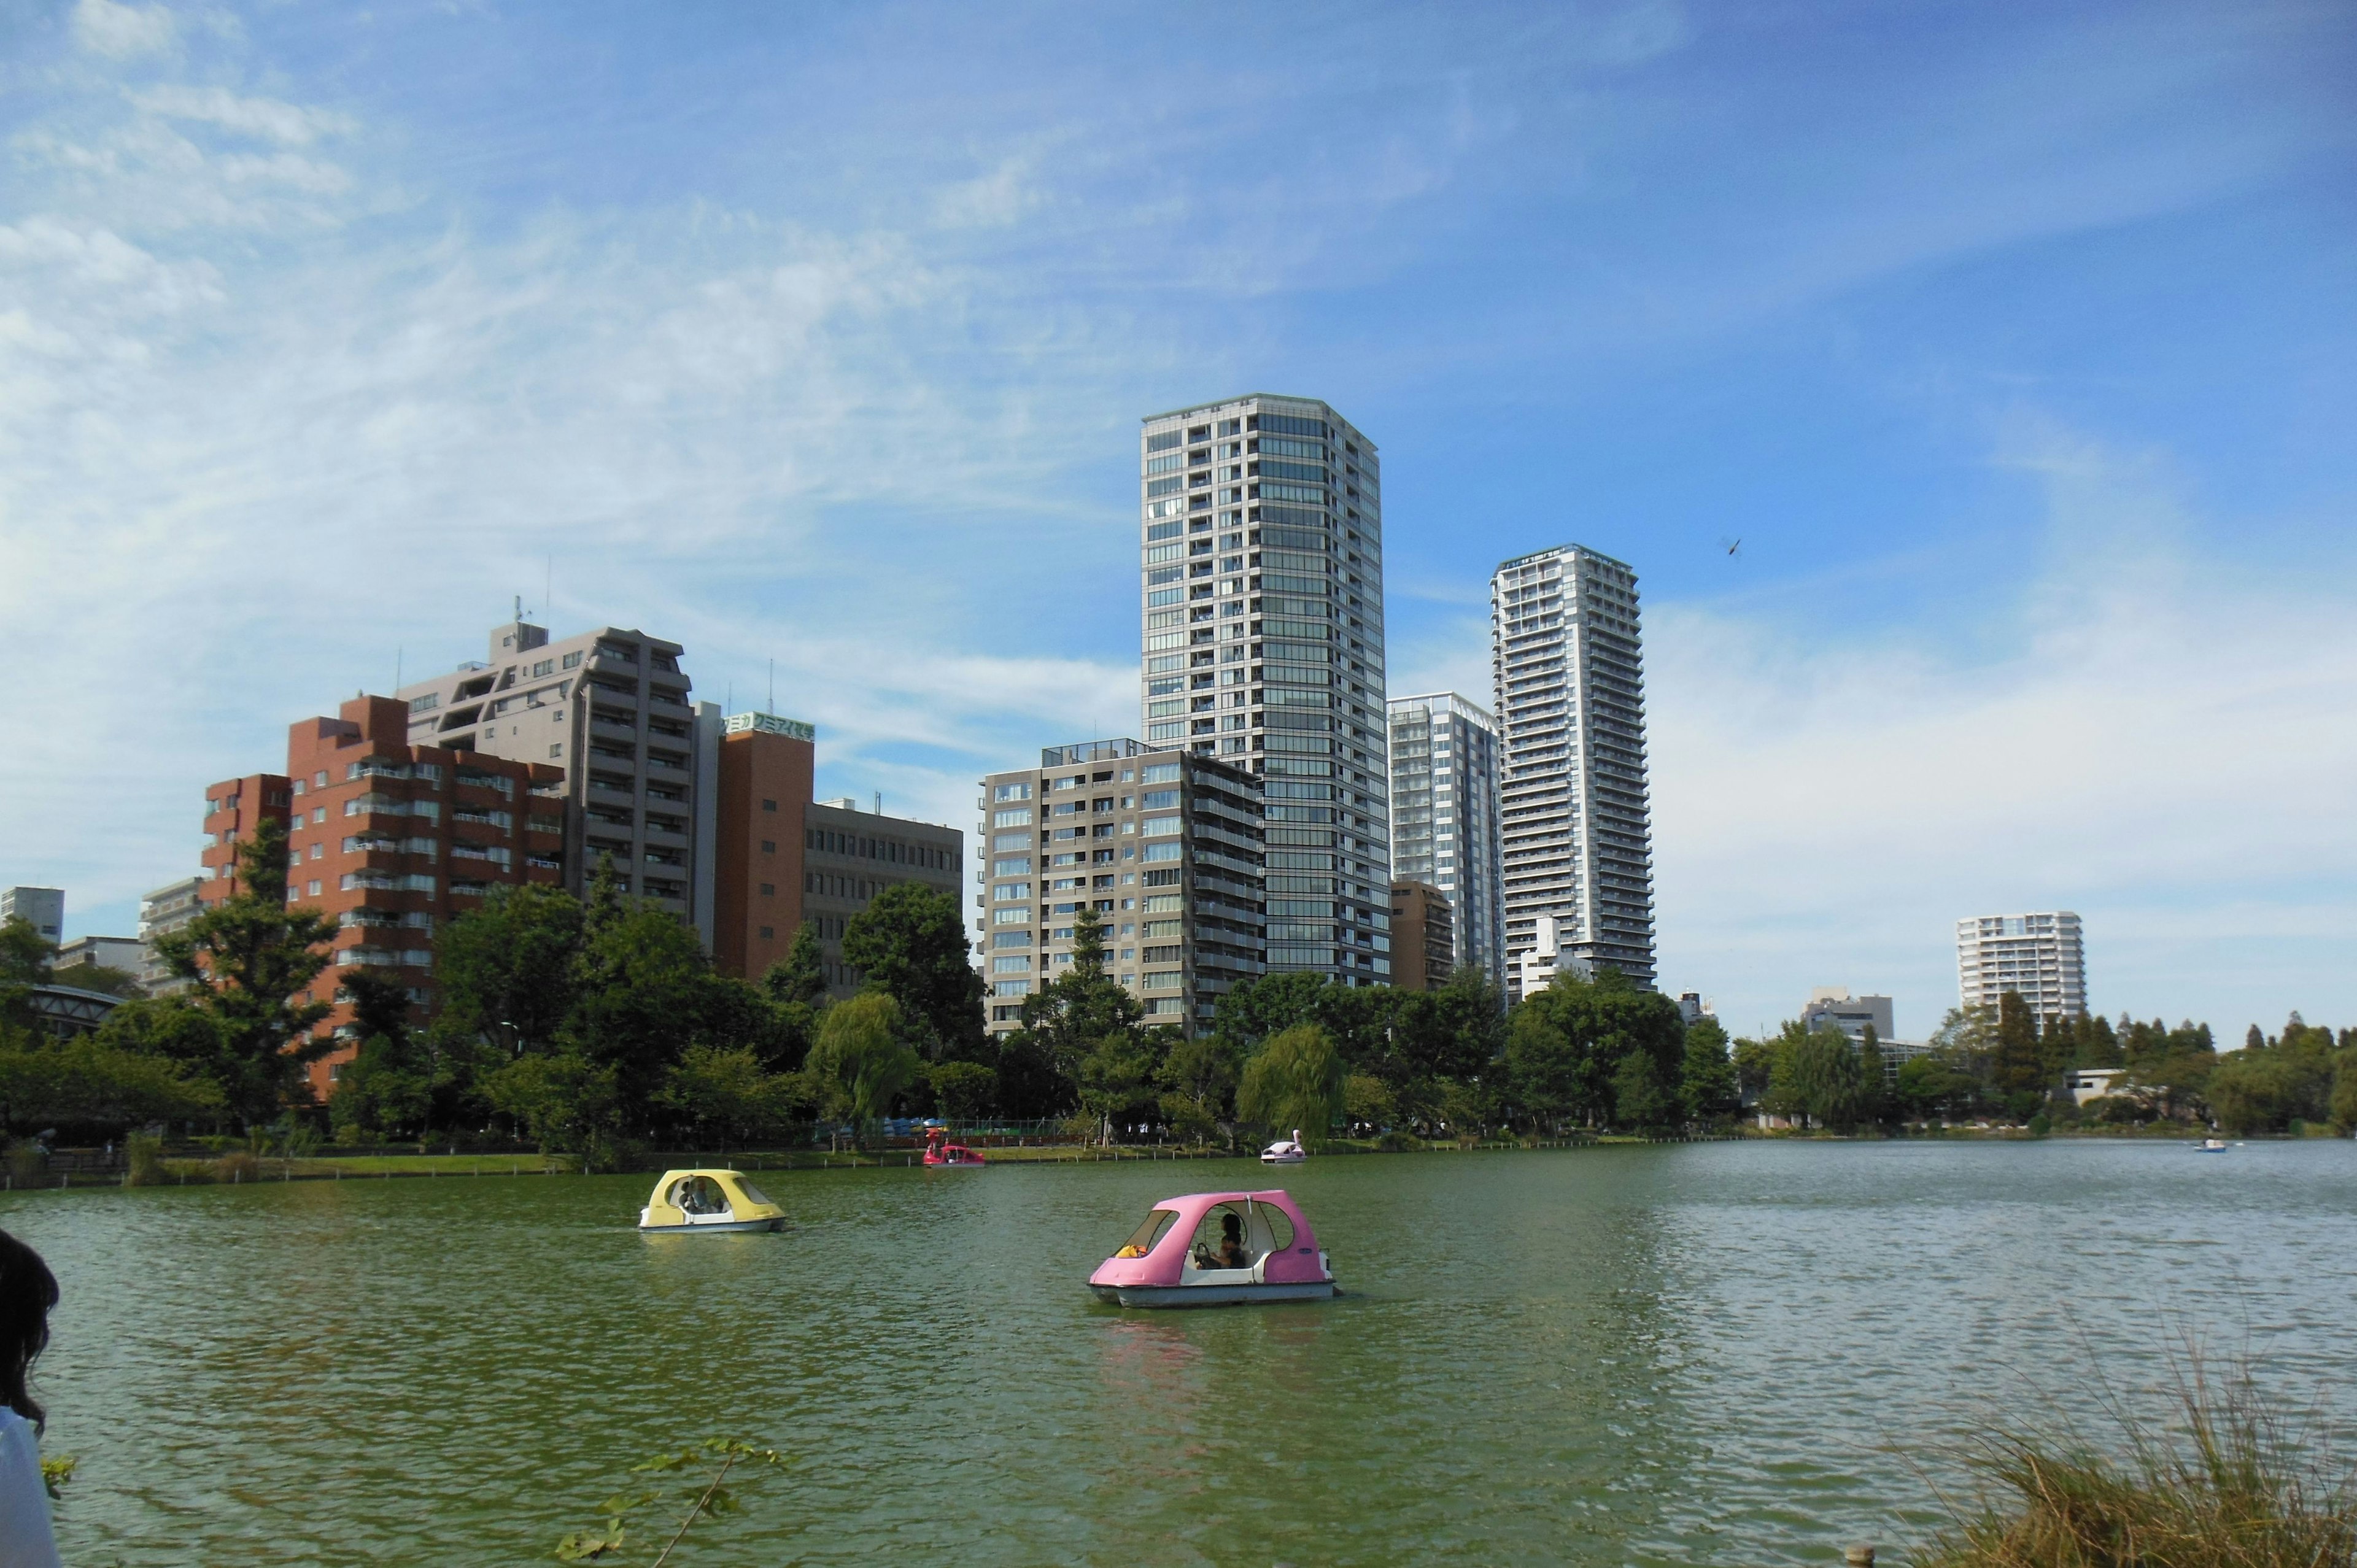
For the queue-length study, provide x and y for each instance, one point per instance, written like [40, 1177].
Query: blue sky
[2015, 342]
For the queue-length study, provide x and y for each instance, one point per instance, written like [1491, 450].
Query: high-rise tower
[1569, 678]
[1261, 536]
[1445, 816]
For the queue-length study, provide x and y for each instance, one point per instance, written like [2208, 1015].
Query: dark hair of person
[27, 1291]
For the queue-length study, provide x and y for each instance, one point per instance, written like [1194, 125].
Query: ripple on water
[1684, 1353]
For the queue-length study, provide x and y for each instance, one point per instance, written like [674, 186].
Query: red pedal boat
[942, 1155]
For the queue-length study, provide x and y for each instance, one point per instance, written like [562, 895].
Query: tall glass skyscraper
[1445, 816]
[1574, 815]
[1261, 532]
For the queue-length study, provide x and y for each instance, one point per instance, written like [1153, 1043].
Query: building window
[769, 890]
[768, 805]
[572, 661]
[769, 846]
[769, 933]
[558, 750]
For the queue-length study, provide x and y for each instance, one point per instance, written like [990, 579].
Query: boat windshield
[752, 1193]
[1141, 1241]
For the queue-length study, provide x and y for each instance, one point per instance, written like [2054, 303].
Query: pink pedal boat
[942, 1155]
[1218, 1249]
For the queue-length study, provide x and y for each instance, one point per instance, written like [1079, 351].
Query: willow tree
[1295, 1080]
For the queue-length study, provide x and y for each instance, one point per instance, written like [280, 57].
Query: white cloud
[119, 31]
[2145, 737]
[267, 118]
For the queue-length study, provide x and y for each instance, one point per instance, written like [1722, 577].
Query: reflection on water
[1685, 1354]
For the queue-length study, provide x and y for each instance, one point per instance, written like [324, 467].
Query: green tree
[565, 1103]
[25, 959]
[1567, 1047]
[104, 979]
[801, 975]
[1817, 1078]
[910, 943]
[727, 1096]
[1755, 1063]
[1878, 1104]
[1067, 1019]
[250, 956]
[1454, 1035]
[387, 1088]
[1254, 1010]
[508, 971]
[1930, 1088]
[2343, 1104]
[1198, 1079]
[645, 990]
[1368, 1101]
[966, 1090]
[1295, 1080]
[1117, 1075]
[90, 1081]
[1706, 1081]
[860, 1062]
[2018, 1071]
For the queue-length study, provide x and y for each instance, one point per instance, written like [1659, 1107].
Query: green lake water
[1732, 1353]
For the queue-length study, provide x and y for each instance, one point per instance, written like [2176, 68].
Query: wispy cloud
[121, 31]
[2145, 736]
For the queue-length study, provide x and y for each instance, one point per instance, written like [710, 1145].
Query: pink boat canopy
[1202, 1236]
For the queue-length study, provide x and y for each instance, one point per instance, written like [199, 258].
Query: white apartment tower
[2038, 956]
[1262, 535]
[1573, 816]
[1445, 816]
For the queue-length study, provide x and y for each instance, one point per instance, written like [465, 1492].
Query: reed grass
[2230, 1482]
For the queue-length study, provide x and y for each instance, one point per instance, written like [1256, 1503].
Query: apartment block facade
[391, 841]
[2041, 956]
[609, 707]
[1262, 613]
[1573, 814]
[1833, 1007]
[1444, 755]
[1163, 843]
[162, 911]
[1423, 938]
[234, 810]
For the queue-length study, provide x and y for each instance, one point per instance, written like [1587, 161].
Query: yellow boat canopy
[706, 1192]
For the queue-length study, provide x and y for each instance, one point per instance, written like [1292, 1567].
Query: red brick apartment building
[390, 840]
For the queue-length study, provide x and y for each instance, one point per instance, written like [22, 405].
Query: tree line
[2007, 1063]
[594, 1023]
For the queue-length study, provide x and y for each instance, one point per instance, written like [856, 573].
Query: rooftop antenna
[773, 687]
[879, 802]
[396, 667]
[548, 585]
[519, 607]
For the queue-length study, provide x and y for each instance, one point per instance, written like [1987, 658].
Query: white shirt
[25, 1538]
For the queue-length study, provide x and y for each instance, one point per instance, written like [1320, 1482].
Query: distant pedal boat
[709, 1200]
[1285, 1151]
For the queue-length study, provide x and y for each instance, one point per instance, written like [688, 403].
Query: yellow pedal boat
[709, 1200]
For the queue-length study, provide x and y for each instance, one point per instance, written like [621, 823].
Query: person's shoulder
[13, 1427]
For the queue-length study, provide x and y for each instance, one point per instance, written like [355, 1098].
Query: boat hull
[957, 1165]
[1214, 1295]
[728, 1226]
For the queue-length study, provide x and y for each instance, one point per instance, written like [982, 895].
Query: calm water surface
[1703, 1353]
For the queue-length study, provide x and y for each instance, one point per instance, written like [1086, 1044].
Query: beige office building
[1261, 590]
[1163, 843]
[641, 760]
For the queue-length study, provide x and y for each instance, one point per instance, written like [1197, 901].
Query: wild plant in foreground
[2227, 1486]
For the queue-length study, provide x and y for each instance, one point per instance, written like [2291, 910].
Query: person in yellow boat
[702, 1195]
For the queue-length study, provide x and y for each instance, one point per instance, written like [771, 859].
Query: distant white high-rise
[45, 908]
[1262, 539]
[1445, 816]
[1574, 817]
[2038, 956]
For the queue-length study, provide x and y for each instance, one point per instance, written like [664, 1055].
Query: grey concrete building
[1261, 537]
[44, 906]
[162, 911]
[850, 855]
[1444, 755]
[1574, 816]
[611, 708]
[1164, 842]
[111, 953]
[1853, 1015]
